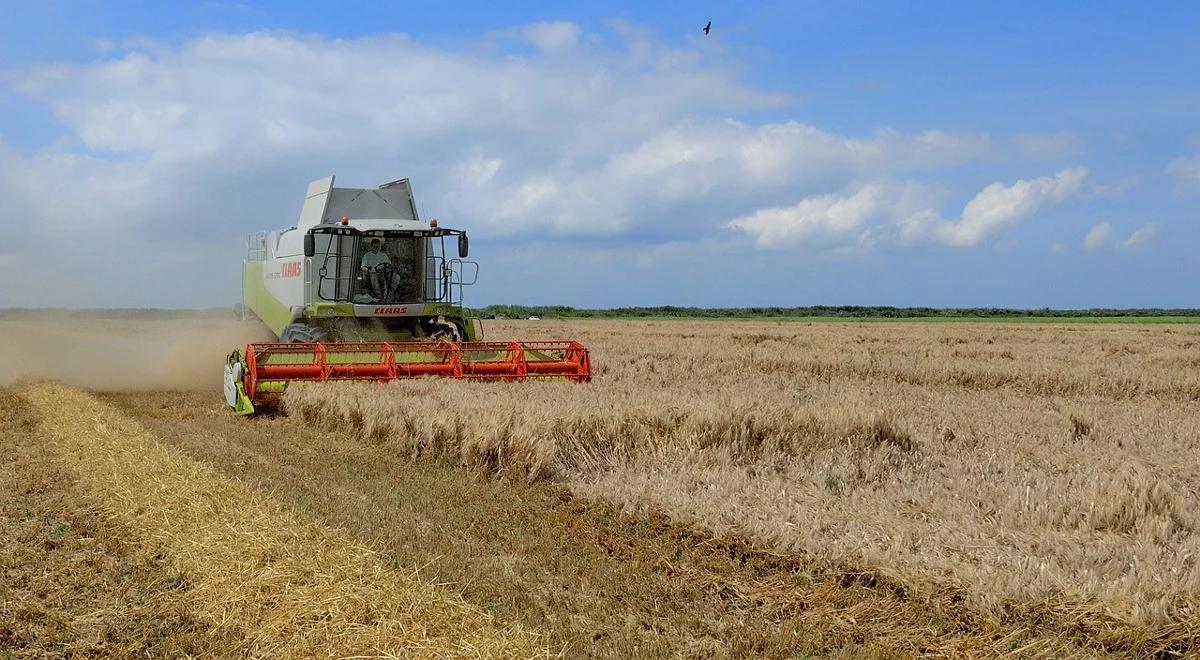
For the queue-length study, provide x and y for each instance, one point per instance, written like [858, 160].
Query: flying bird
[708, 28]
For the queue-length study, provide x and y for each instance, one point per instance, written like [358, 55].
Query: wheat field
[720, 489]
[1050, 467]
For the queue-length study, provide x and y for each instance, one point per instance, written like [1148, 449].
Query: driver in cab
[377, 280]
[375, 256]
[384, 281]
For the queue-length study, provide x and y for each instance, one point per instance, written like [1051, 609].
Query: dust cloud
[118, 355]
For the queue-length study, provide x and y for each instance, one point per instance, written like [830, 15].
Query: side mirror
[310, 245]
[463, 246]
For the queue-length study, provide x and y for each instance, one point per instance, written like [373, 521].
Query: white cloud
[1141, 235]
[1115, 188]
[694, 170]
[207, 139]
[825, 215]
[555, 35]
[305, 93]
[479, 170]
[998, 205]
[1101, 236]
[1098, 236]
[1186, 170]
[580, 143]
[907, 213]
[221, 134]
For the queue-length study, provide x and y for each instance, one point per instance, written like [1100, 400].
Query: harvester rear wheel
[300, 333]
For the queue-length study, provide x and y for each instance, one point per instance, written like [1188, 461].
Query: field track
[282, 586]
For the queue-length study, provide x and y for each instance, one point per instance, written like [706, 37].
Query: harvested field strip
[601, 583]
[282, 586]
[66, 587]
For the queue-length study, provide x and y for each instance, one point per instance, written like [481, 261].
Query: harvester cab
[360, 264]
[362, 288]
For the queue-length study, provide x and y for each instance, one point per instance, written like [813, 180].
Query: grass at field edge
[156, 314]
[884, 319]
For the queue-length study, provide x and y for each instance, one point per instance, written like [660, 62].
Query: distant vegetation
[827, 311]
[814, 312]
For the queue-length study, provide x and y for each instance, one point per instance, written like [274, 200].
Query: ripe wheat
[1029, 464]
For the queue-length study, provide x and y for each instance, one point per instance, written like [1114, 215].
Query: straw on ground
[286, 587]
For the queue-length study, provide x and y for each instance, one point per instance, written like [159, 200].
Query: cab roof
[391, 203]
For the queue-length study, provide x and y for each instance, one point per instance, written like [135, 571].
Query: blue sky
[940, 154]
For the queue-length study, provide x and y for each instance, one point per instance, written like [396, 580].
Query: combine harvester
[362, 289]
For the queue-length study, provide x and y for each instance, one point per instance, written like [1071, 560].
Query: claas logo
[391, 310]
[291, 269]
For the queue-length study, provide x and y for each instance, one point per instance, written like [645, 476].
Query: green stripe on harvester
[264, 305]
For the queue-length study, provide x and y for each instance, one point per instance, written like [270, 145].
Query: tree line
[826, 311]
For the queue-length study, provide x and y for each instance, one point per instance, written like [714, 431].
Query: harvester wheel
[444, 330]
[300, 333]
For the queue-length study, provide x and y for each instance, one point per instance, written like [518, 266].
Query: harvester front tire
[300, 333]
[444, 330]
